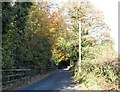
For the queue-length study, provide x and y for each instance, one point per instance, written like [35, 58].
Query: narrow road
[59, 80]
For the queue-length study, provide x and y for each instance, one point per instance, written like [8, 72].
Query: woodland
[41, 35]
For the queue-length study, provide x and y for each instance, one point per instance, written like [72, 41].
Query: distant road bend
[59, 80]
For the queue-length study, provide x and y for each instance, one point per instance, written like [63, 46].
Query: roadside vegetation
[36, 37]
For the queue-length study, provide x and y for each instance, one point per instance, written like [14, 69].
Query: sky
[110, 12]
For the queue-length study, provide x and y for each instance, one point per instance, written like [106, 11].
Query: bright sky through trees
[55, 34]
[110, 11]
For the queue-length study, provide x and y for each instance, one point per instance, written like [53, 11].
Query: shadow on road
[57, 81]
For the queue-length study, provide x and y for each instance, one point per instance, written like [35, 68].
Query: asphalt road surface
[59, 80]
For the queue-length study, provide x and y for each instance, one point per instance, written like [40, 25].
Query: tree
[13, 33]
[94, 32]
[29, 33]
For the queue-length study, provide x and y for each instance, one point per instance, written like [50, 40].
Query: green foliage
[68, 44]
[31, 33]
[55, 59]
[26, 42]
[13, 33]
[96, 50]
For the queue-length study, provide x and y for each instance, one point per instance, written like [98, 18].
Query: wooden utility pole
[79, 62]
[79, 26]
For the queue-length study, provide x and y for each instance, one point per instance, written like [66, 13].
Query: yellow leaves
[55, 15]
[42, 23]
[52, 30]
[62, 58]
[38, 13]
[55, 51]
[59, 54]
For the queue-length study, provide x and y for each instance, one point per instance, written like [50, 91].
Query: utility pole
[79, 62]
[79, 25]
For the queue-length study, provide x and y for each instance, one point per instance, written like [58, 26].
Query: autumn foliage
[34, 36]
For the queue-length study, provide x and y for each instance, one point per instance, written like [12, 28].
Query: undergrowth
[96, 77]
